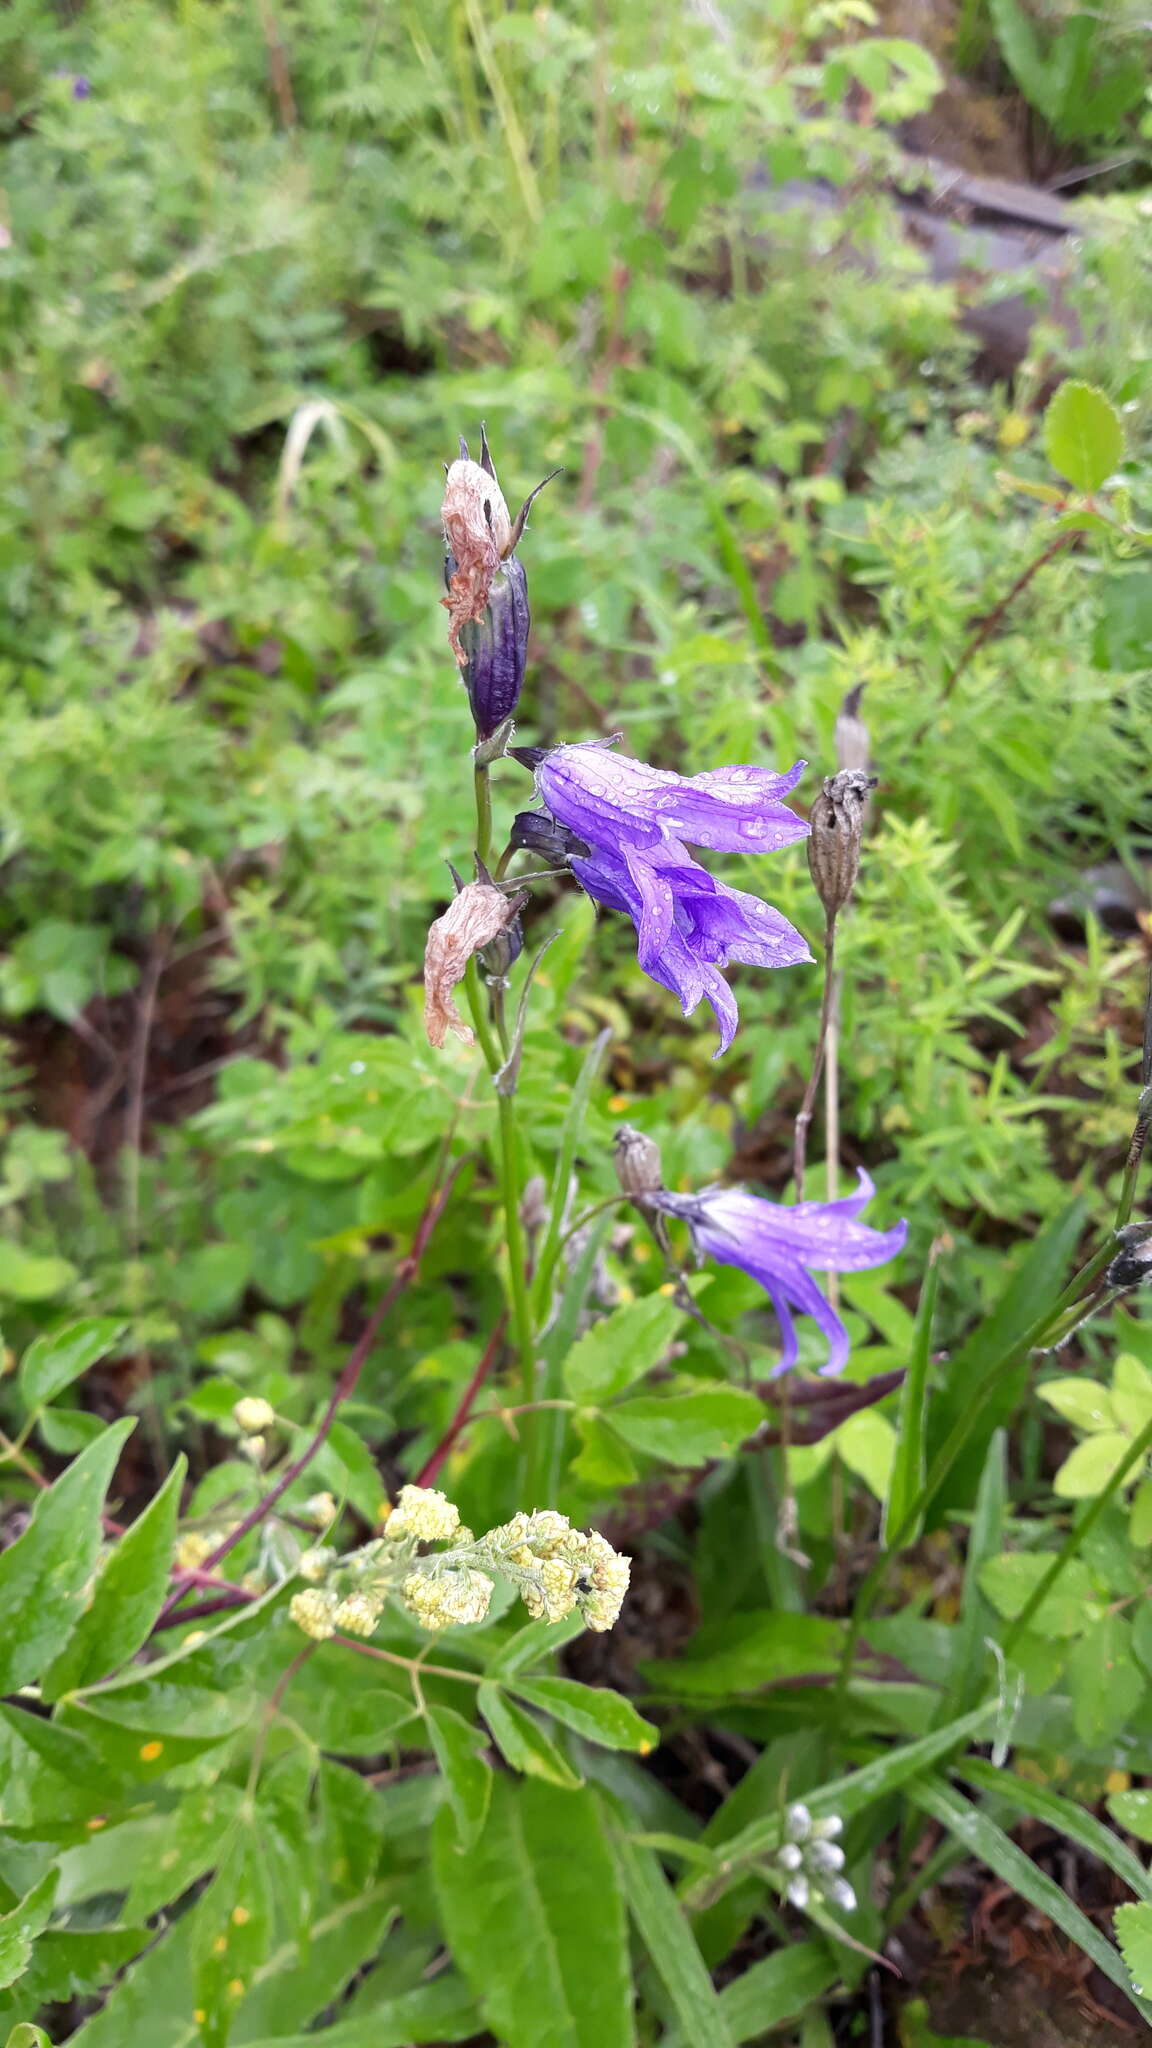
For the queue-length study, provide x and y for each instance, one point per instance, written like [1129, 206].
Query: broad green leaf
[52, 1362]
[603, 1460]
[1107, 1684]
[689, 1429]
[1133, 1811]
[671, 1945]
[535, 1641]
[777, 1989]
[1083, 435]
[458, 1747]
[909, 1464]
[1083, 1403]
[44, 1575]
[129, 1594]
[233, 1932]
[1134, 1933]
[867, 1444]
[1087, 1469]
[1010, 1580]
[595, 1712]
[748, 1651]
[32, 1276]
[623, 1347]
[1066, 1815]
[19, 1928]
[535, 1920]
[990, 1845]
[1131, 1394]
[27, 2036]
[193, 1838]
[66, 1965]
[1140, 1519]
[522, 1742]
[443, 2010]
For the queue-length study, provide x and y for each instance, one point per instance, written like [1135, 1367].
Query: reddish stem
[460, 1420]
[345, 1386]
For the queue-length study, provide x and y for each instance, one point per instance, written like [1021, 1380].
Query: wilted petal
[478, 535]
[471, 921]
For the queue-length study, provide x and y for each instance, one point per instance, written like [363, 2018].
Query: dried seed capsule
[1133, 1262]
[637, 1161]
[836, 823]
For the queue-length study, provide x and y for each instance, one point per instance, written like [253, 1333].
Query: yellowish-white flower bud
[315, 1564]
[191, 1550]
[554, 1595]
[358, 1614]
[423, 1514]
[448, 1598]
[320, 1509]
[314, 1611]
[252, 1414]
[254, 1447]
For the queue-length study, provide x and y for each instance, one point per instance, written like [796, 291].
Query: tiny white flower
[791, 1857]
[797, 1893]
[826, 1830]
[840, 1893]
[797, 1822]
[825, 1856]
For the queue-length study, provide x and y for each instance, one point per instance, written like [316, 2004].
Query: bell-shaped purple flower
[777, 1245]
[635, 820]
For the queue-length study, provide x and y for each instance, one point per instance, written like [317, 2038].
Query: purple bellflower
[776, 1246]
[633, 822]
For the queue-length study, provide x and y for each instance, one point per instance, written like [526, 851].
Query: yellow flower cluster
[422, 1514]
[441, 1599]
[315, 1612]
[565, 1568]
[358, 1614]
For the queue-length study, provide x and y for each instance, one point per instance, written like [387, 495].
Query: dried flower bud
[470, 922]
[1133, 1262]
[496, 647]
[478, 535]
[837, 824]
[251, 1414]
[850, 736]
[505, 949]
[538, 832]
[637, 1161]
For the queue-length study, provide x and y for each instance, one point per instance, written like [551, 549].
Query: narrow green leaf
[911, 1464]
[467, 1778]
[983, 1839]
[1083, 435]
[522, 1742]
[536, 1640]
[688, 1429]
[444, 2010]
[777, 1989]
[671, 1945]
[27, 2036]
[854, 1793]
[19, 1928]
[595, 1712]
[44, 1574]
[747, 1652]
[560, 1193]
[52, 1362]
[1065, 1815]
[129, 1595]
[621, 1348]
[535, 1920]
[976, 1619]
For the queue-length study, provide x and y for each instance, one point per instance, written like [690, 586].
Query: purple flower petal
[609, 799]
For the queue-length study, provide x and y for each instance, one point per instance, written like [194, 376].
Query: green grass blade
[666, 1935]
[977, 1619]
[983, 1839]
[911, 1462]
[1040, 1804]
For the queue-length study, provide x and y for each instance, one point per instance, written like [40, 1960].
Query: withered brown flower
[479, 534]
[471, 921]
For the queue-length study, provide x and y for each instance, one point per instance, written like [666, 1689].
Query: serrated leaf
[44, 1574]
[522, 1742]
[19, 1928]
[129, 1594]
[592, 1711]
[1134, 1933]
[467, 1778]
[535, 1920]
[52, 1362]
[1083, 435]
[688, 1429]
[1087, 1470]
[1010, 1580]
[1133, 1811]
[623, 1347]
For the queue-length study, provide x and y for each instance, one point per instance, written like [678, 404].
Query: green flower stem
[1074, 1541]
[508, 1168]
